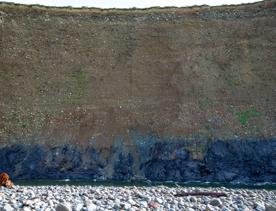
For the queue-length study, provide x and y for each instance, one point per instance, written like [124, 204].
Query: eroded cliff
[90, 93]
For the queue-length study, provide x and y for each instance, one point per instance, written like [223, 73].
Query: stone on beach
[7, 207]
[63, 207]
[215, 202]
[78, 207]
[270, 207]
[90, 206]
[153, 205]
[259, 206]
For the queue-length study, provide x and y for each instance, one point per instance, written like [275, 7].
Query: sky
[129, 3]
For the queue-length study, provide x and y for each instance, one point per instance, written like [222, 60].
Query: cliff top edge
[9, 6]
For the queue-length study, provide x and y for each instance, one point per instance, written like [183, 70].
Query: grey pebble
[215, 202]
[270, 207]
[63, 207]
[192, 199]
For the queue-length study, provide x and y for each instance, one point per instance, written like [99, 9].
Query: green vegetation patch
[246, 115]
[79, 79]
[204, 104]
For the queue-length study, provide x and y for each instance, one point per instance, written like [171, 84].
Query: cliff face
[108, 90]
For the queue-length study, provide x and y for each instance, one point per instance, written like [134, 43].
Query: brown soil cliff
[91, 76]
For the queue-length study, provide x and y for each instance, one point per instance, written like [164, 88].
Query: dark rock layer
[236, 161]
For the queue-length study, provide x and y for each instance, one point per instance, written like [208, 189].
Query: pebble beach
[88, 198]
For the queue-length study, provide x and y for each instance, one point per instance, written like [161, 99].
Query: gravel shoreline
[66, 198]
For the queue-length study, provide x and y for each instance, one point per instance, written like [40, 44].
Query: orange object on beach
[5, 180]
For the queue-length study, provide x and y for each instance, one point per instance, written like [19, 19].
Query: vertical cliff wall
[104, 93]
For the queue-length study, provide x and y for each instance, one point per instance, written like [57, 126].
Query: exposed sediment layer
[90, 83]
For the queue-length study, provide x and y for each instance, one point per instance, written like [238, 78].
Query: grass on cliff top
[75, 10]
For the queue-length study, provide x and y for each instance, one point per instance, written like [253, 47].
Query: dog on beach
[5, 180]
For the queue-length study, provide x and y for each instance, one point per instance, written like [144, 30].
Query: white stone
[144, 203]
[127, 205]
[90, 206]
[209, 208]
[131, 201]
[27, 209]
[28, 202]
[160, 201]
[7, 207]
[77, 207]
[259, 206]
